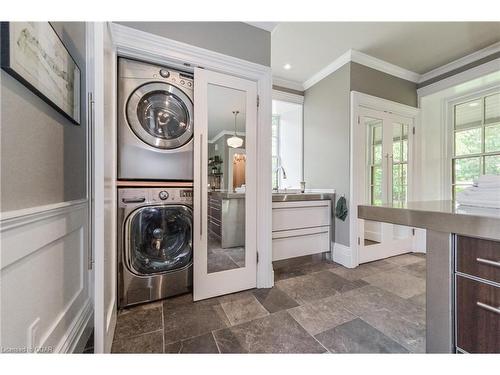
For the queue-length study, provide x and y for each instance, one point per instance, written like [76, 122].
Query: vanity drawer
[297, 215]
[478, 316]
[478, 257]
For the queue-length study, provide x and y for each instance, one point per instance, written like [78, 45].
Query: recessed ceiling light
[474, 104]
[287, 67]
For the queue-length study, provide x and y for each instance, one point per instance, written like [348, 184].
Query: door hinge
[359, 241]
[413, 130]
[412, 231]
[257, 257]
[258, 101]
[359, 120]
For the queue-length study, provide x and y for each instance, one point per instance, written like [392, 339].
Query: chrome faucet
[284, 174]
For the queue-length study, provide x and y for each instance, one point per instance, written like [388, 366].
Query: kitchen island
[463, 271]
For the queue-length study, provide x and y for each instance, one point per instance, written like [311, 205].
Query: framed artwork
[33, 53]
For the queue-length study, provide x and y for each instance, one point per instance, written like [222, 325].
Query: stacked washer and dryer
[155, 158]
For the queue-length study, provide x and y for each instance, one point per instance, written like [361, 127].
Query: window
[287, 144]
[476, 140]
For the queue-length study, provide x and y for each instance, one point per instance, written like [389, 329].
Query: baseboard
[78, 334]
[342, 254]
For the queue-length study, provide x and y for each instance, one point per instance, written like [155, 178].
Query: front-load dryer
[155, 122]
[155, 243]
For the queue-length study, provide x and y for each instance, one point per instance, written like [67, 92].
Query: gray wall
[471, 65]
[326, 139]
[231, 38]
[43, 155]
[383, 85]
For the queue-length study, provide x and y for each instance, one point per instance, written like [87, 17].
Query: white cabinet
[301, 228]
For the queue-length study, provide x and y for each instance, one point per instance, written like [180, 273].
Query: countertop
[291, 196]
[441, 216]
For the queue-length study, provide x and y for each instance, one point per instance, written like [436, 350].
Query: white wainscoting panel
[45, 293]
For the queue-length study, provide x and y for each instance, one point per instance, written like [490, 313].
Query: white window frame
[296, 99]
[449, 106]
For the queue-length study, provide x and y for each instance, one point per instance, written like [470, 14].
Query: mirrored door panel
[226, 191]
[225, 184]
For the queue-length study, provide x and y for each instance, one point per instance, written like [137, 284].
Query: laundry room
[213, 187]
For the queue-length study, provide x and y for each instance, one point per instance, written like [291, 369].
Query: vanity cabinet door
[478, 316]
[478, 257]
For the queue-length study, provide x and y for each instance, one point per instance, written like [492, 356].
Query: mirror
[226, 178]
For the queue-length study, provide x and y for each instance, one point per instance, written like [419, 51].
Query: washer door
[161, 115]
[159, 239]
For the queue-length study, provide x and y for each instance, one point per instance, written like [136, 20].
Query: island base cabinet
[478, 316]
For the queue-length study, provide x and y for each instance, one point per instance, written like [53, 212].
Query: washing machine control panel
[163, 195]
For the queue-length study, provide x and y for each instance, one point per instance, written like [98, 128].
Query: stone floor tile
[276, 333]
[357, 336]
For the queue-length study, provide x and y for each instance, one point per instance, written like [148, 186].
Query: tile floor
[316, 306]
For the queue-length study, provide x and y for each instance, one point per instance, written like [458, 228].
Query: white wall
[290, 145]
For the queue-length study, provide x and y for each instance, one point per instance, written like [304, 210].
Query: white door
[101, 70]
[387, 150]
[224, 220]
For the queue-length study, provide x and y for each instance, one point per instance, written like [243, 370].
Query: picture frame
[34, 54]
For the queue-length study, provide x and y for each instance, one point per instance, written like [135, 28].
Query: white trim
[342, 254]
[288, 97]
[288, 83]
[380, 104]
[48, 235]
[363, 59]
[465, 76]
[141, 45]
[327, 70]
[223, 133]
[362, 103]
[267, 26]
[11, 219]
[383, 66]
[74, 339]
[474, 56]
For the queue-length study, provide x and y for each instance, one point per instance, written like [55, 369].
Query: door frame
[359, 102]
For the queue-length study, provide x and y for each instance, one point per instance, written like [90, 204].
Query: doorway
[382, 162]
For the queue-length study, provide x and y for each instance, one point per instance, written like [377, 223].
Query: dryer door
[159, 239]
[161, 115]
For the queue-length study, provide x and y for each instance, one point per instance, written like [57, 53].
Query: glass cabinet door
[224, 184]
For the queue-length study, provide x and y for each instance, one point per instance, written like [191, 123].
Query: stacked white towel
[484, 193]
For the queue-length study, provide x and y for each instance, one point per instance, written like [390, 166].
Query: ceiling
[222, 101]
[416, 46]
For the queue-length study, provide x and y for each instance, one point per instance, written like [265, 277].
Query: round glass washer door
[159, 239]
[161, 115]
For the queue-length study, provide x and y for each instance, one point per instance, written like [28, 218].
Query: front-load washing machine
[155, 244]
[155, 122]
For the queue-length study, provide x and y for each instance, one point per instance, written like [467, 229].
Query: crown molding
[474, 56]
[327, 70]
[288, 97]
[288, 83]
[383, 66]
[267, 26]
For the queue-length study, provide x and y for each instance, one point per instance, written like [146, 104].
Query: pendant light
[235, 141]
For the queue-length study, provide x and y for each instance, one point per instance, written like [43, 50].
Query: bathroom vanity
[463, 272]
[302, 224]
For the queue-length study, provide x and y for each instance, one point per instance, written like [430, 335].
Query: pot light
[287, 67]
